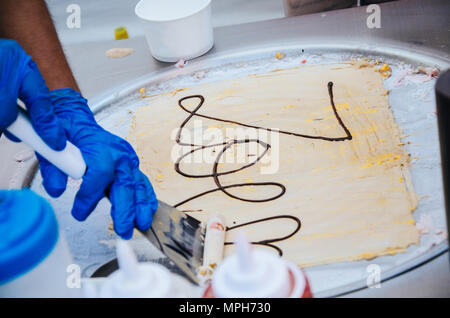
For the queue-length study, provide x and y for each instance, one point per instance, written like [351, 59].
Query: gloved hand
[20, 78]
[112, 168]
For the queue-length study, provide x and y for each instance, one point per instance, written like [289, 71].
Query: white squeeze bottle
[35, 260]
[137, 280]
[256, 273]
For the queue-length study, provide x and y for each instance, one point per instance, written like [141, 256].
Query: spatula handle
[69, 160]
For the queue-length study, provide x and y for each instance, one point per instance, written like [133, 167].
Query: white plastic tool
[133, 279]
[214, 241]
[69, 160]
[213, 246]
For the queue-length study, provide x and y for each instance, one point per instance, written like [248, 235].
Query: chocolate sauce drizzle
[268, 242]
[227, 145]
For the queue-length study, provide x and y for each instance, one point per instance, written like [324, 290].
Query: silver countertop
[416, 25]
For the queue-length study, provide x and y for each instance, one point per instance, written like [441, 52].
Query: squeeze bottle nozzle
[134, 279]
[251, 273]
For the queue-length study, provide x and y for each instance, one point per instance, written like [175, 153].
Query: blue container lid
[28, 232]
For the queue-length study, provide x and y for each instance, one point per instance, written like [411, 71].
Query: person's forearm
[29, 23]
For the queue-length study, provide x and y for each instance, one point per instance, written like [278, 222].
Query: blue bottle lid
[28, 232]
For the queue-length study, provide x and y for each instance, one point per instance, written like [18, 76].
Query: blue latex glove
[112, 168]
[20, 78]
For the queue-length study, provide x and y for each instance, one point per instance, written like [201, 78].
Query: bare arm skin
[29, 23]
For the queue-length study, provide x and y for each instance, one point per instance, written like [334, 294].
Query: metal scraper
[176, 234]
[180, 237]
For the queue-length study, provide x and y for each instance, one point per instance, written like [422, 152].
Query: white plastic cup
[176, 29]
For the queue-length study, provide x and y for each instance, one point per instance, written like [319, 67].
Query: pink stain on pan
[421, 75]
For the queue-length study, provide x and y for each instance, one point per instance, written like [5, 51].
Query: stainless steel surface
[179, 236]
[402, 29]
[431, 279]
[301, 7]
[99, 18]
[404, 33]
